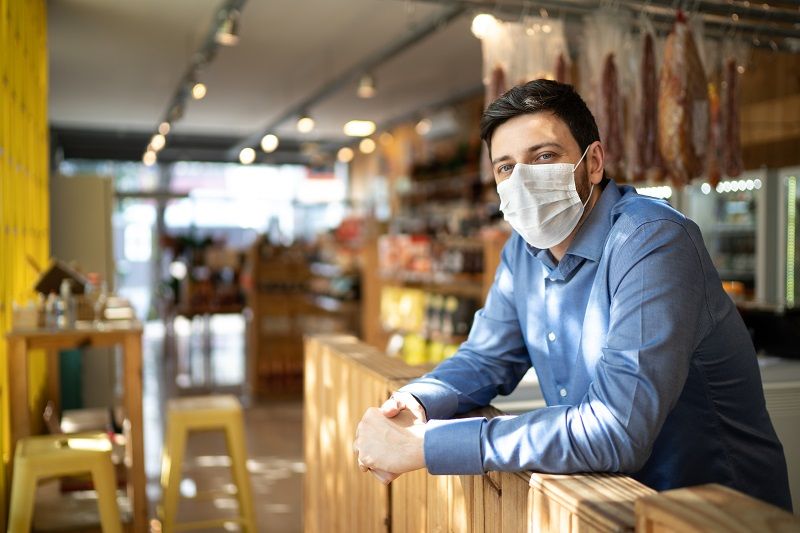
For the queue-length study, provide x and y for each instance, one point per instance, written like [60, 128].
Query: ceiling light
[149, 158]
[305, 124]
[359, 128]
[367, 146]
[423, 126]
[199, 90]
[386, 138]
[228, 30]
[269, 143]
[366, 87]
[163, 128]
[247, 156]
[157, 142]
[483, 25]
[345, 155]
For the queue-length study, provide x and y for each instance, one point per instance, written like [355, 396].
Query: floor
[196, 363]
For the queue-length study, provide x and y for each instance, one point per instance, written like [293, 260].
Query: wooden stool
[61, 455]
[203, 413]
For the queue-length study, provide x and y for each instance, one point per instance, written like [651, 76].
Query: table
[85, 334]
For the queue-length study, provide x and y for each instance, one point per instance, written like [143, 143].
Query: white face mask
[541, 202]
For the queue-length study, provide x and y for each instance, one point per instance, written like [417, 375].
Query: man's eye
[545, 157]
[502, 169]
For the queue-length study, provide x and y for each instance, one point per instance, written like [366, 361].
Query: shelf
[733, 228]
[334, 305]
[736, 275]
[329, 270]
[450, 284]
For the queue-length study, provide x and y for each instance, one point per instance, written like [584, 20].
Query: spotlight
[705, 188]
[247, 156]
[157, 142]
[199, 91]
[386, 138]
[366, 87]
[359, 128]
[345, 155]
[305, 123]
[269, 143]
[423, 127]
[367, 146]
[163, 128]
[149, 158]
[483, 25]
[228, 30]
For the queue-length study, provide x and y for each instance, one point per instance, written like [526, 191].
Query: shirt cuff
[454, 446]
[439, 400]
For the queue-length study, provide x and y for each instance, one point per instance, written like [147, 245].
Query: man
[645, 364]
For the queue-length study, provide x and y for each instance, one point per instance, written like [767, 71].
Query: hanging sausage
[682, 106]
[732, 142]
[646, 160]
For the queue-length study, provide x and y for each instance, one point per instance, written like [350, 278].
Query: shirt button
[551, 336]
[562, 392]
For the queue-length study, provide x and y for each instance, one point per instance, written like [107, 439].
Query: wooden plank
[513, 502]
[458, 505]
[493, 512]
[132, 355]
[712, 508]
[438, 515]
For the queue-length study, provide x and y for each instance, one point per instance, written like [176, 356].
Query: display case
[729, 217]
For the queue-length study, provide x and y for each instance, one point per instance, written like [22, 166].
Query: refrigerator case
[729, 217]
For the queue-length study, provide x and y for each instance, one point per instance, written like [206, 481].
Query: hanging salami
[645, 158]
[715, 145]
[732, 142]
[611, 117]
[682, 106]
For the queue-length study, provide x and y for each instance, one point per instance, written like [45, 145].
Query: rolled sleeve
[454, 446]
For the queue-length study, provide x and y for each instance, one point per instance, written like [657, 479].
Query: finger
[362, 467]
[391, 407]
[384, 476]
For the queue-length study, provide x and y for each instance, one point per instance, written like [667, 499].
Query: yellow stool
[203, 413]
[62, 455]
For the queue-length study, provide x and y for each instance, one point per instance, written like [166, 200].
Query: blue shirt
[643, 360]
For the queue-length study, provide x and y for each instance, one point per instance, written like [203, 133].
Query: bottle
[50, 303]
[65, 315]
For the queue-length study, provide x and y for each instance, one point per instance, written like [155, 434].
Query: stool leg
[171, 465]
[105, 483]
[234, 435]
[23, 496]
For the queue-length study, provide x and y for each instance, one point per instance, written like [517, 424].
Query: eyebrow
[533, 148]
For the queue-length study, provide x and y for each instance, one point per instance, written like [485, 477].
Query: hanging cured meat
[561, 69]
[682, 106]
[715, 147]
[611, 117]
[645, 160]
[732, 142]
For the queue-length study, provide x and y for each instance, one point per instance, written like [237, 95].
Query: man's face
[536, 138]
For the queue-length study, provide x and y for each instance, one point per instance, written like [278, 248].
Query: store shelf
[470, 285]
[333, 305]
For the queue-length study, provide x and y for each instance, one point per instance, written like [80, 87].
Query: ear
[595, 161]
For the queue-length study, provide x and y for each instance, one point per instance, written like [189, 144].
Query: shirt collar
[591, 238]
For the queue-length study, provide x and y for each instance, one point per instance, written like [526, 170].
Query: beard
[582, 184]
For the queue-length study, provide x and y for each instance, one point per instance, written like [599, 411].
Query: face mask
[541, 202]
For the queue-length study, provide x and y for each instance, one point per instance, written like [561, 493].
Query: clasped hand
[389, 439]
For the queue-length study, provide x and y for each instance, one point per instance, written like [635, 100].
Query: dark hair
[542, 95]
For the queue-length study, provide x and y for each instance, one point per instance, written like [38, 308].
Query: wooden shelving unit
[468, 285]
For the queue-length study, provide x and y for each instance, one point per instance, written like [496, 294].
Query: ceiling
[115, 64]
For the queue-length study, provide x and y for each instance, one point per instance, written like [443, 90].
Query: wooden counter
[344, 377]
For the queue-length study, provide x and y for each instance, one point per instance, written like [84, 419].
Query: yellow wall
[24, 202]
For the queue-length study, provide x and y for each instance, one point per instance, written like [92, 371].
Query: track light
[228, 30]
[484, 25]
[157, 142]
[359, 128]
[149, 158]
[367, 146]
[345, 155]
[164, 128]
[366, 86]
[199, 90]
[423, 127]
[247, 156]
[269, 143]
[305, 124]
